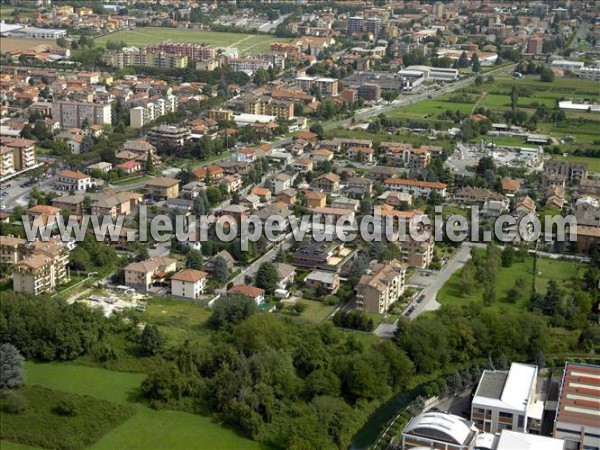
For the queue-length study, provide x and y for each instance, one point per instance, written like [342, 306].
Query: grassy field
[551, 269]
[39, 425]
[178, 320]
[548, 269]
[147, 428]
[592, 163]
[144, 36]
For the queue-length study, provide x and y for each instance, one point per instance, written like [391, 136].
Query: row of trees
[354, 319]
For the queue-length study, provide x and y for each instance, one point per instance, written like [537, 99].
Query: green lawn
[143, 36]
[315, 312]
[176, 319]
[40, 425]
[592, 163]
[429, 109]
[147, 428]
[551, 269]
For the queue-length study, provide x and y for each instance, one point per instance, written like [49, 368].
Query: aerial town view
[300, 224]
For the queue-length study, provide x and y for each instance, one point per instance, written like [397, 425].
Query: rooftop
[510, 389]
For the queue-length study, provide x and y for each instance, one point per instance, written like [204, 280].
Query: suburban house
[319, 280]
[233, 182]
[359, 186]
[329, 256]
[506, 400]
[286, 275]
[395, 199]
[69, 180]
[364, 154]
[145, 274]
[210, 171]
[9, 249]
[129, 167]
[162, 188]
[316, 199]
[263, 193]
[381, 286]
[303, 165]
[287, 196]
[321, 155]
[328, 182]
[510, 187]
[280, 183]
[41, 215]
[417, 253]
[188, 283]
[250, 201]
[257, 294]
[229, 261]
[525, 205]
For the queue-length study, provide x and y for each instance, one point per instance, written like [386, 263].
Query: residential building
[359, 187]
[42, 269]
[325, 282]
[253, 292]
[162, 188]
[142, 115]
[229, 261]
[395, 199]
[316, 199]
[145, 274]
[354, 24]
[321, 155]
[370, 92]
[23, 154]
[286, 273]
[506, 400]
[579, 407]
[210, 171]
[69, 180]
[280, 183]
[248, 65]
[303, 165]
[328, 182]
[9, 249]
[510, 187]
[440, 431]
[381, 286]
[535, 45]
[361, 154]
[512, 440]
[373, 26]
[188, 283]
[169, 136]
[414, 187]
[416, 253]
[72, 114]
[328, 87]
[571, 170]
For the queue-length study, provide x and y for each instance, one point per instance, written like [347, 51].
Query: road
[429, 302]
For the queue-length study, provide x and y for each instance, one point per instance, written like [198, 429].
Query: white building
[506, 400]
[143, 115]
[415, 188]
[439, 430]
[72, 114]
[564, 64]
[188, 283]
[69, 180]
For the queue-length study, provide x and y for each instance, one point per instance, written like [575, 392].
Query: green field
[592, 163]
[147, 428]
[315, 312]
[144, 36]
[40, 425]
[548, 269]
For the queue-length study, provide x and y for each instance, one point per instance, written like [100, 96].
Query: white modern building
[506, 400]
[441, 431]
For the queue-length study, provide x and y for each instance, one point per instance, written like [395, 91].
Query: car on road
[421, 298]
[410, 310]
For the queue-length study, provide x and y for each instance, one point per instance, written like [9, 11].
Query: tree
[231, 310]
[508, 256]
[475, 63]
[149, 163]
[12, 372]
[198, 205]
[194, 259]
[151, 341]
[261, 77]
[61, 42]
[317, 128]
[220, 270]
[463, 60]
[267, 277]
[514, 98]
[546, 75]
[86, 144]
[478, 80]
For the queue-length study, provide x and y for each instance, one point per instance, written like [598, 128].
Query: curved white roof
[441, 426]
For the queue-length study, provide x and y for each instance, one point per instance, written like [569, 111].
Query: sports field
[143, 36]
[146, 428]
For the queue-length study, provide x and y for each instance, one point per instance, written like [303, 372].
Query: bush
[14, 403]
[65, 408]
[300, 307]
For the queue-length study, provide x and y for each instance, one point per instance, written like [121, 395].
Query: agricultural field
[146, 428]
[145, 36]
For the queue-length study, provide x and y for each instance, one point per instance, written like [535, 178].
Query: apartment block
[416, 188]
[188, 283]
[416, 253]
[147, 113]
[162, 188]
[381, 286]
[327, 86]
[506, 400]
[42, 268]
[168, 136]
[71, 114]
[145, 274]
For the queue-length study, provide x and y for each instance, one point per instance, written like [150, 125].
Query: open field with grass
[452, 294]
[592, 163]
[548, 269]
[552, 269]
[147, 428]
[143, 36]
[8, 44]
[40, 425]
[316, 312]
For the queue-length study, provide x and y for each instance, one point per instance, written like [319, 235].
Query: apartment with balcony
[71, 114]
[415, 187]
[381, 286]
[43, 268]
[145, 274]
[507, 400]
[23, 154]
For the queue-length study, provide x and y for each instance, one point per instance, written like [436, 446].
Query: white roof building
[439, 430]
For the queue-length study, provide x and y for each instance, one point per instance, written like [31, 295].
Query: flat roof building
[578, 414]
